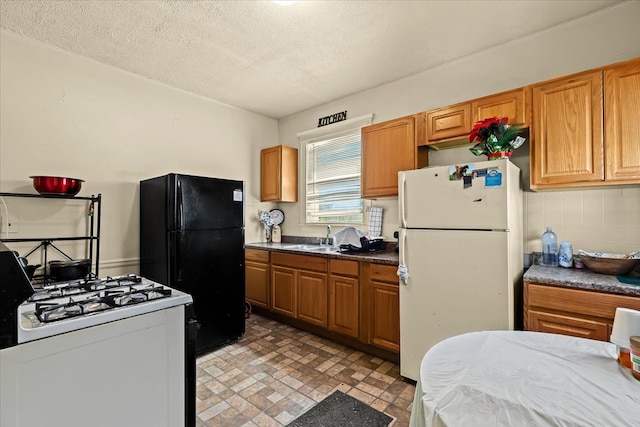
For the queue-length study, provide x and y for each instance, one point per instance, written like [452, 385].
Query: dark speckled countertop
[388, 257]
[579, 279]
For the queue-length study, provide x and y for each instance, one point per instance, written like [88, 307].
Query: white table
[515, 378]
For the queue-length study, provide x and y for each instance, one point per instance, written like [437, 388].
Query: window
[332, 161]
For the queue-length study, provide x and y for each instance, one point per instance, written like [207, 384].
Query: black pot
[31, 270]
[69, 270]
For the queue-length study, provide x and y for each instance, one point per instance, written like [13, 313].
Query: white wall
[601, 219]
[66, 115]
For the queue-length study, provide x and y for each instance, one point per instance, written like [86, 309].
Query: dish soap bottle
[549, 248]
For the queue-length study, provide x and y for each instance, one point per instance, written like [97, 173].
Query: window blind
[333, 180]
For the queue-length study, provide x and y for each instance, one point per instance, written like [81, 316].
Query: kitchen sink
[312, 248]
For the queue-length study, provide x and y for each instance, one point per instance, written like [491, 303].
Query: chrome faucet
[328, 233]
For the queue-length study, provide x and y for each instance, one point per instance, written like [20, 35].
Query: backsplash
[603, 219]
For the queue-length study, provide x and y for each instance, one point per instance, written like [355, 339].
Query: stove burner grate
[101, 301]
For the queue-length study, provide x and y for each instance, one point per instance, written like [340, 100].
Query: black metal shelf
[52, 196]
[94, 231]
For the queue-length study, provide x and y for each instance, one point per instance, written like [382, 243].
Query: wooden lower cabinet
[385, 300]
[344, 287]
[353, 302]
[257, 277]
[574, 312]
[563, 324]
[299, 287]
[312, 297]
[383, 306]
[284, 291]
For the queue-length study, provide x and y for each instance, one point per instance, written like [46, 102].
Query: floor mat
[340, 410]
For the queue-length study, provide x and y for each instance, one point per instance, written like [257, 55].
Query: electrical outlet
[10, 224]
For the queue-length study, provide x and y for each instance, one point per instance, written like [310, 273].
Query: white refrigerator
[462, 246]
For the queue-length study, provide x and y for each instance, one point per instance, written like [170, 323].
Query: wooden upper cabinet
[279, 174]
[568, 144]
[388, 148]
[514, 104]
[622, 121]
[449, 122]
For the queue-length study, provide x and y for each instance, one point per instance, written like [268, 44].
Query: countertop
[579, 279]
[388, 257]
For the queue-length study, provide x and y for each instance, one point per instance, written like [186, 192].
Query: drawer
[343, 267]
[589, 303]
[384, 273]
[256, 255]
[304, 262]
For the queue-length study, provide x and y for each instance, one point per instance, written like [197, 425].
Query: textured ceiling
[278, 60]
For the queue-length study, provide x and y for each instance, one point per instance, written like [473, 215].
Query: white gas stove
[78, 347]
[69, 306]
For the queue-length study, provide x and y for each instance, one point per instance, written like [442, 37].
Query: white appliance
[99, 352]
[462, 246]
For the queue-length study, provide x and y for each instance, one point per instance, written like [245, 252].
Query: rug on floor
[340, 410]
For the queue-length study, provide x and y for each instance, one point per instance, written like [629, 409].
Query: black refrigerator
[192, 239]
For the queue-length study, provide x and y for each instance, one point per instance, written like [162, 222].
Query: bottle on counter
[549, 248]
[276, 234]
[566, 254]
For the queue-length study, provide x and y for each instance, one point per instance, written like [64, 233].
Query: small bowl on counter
[607, 263]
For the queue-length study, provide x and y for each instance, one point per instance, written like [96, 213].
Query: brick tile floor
[276, 373]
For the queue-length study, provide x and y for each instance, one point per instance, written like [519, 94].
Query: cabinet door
[344, 305]
[279, 174]
[567, 145]
[449, 122]
[385, 308]
[622, 117]
[257, 283]
[387, 148]
[283, 290]
[567, 325]
[514, 104]
[312, 297]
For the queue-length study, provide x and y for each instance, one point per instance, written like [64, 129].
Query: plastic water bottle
[550, 248]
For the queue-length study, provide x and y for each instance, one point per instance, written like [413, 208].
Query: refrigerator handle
[401, 189]
[179, 205]
[175, 272]
[403, 273]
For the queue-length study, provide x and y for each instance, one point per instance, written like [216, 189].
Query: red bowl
[57, 185]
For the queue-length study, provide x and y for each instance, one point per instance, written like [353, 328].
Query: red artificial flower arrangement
[495, 135]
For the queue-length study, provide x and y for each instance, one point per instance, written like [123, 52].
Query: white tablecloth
[514, 378]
